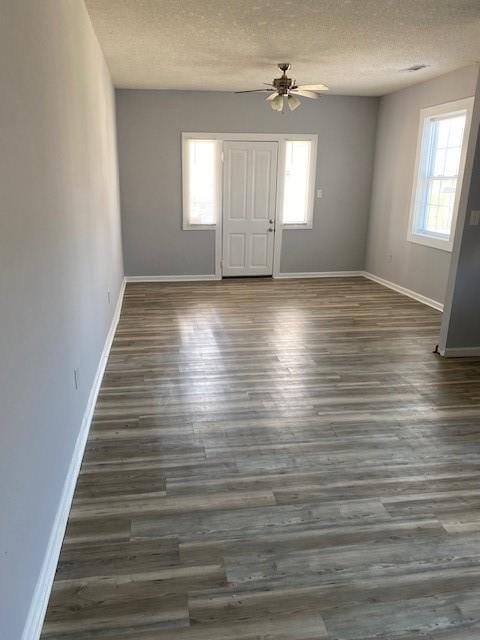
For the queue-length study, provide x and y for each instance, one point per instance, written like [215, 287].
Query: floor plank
[282, 460]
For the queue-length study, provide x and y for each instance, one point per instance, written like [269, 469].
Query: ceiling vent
[416, 67]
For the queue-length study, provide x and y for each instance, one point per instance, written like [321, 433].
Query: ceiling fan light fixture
[277, 103]
[293, 102]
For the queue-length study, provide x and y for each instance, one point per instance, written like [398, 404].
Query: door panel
[236, 251]
[261, 184]
[250, 175]
[259, 251]
[237, 201]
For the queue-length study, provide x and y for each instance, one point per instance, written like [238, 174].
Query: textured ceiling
[359, 47]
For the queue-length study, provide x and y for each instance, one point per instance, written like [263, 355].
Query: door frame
[281, 139]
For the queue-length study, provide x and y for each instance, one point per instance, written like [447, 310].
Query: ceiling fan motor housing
[283, 84]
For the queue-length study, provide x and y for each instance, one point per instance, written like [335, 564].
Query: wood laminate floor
[281, 460]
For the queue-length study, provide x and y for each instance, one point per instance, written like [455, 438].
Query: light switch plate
[475, 217]
[319, 193]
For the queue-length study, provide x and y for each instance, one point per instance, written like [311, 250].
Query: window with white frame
[201, 183]
[298, 183]
[440, 162]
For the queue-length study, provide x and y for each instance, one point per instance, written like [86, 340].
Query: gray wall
[60, 251]
[461, 321]
[150, 124]
[389, 254]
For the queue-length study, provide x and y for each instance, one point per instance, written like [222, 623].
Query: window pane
[442, 134]
[439, 167]
[202, 187]
[440, 202]
[447, 137]
[452, 161]
[449, 131]
[296, 185]
[439, 163]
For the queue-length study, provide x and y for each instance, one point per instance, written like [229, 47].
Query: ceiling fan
[286, 88]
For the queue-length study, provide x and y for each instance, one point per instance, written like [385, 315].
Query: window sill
[199, 227]
[430, 241]
[304, 225]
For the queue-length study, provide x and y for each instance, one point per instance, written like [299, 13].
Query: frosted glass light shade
[277, 103]
[293, 102]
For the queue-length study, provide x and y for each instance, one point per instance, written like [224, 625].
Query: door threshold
[247, 276]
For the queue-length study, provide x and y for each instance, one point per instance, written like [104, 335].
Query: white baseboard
[38, 607]
[212, 276]
[406, 292]
[461, 352]
[208, 276]
[319, 274]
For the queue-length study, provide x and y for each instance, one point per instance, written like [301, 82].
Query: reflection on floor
[276, 459]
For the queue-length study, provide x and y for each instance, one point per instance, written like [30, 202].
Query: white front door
[250, 177]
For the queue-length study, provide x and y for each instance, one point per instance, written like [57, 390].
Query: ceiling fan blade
[272, 96]
[305, 94]
[313, 87]
[253, 90]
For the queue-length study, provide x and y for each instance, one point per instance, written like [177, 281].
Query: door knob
[271, 221]
[270, 229]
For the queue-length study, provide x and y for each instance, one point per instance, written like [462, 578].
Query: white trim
[460, 352]
[432, 241]
[208, 276]
[41, 595]
[212, 276]
[445, 109]
[318, 274]
[406, 292]
[278, 234]
[218, 245]
[248, 137]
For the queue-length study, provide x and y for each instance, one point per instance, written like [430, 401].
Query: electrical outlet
[76, 378]
[108, 297]
[475, 218]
